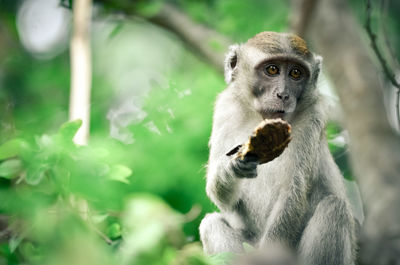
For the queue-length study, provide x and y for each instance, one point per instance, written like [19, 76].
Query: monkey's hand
[268, 141]
[244, 168]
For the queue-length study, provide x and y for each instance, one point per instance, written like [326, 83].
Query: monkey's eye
[295, 73]
[271, 69]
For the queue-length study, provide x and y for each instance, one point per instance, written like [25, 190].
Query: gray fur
[298, 199]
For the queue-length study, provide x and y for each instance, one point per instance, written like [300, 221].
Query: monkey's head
[275, 72]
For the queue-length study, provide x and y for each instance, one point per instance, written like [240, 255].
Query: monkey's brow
[283, 58]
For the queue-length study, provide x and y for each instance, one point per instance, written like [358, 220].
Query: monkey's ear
[317, 67]
[231, 62]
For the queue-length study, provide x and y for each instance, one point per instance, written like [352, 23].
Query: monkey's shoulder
[228, 96]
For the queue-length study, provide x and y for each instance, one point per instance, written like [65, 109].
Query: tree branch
[204, 41]
[388, 72]
[81, 69]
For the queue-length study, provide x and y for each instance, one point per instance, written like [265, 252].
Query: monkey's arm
[230, 128]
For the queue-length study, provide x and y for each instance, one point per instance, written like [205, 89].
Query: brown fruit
[268, 141]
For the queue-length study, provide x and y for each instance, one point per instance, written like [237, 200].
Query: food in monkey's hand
[268, 141]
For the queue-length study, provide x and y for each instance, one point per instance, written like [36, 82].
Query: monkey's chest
[265, 197]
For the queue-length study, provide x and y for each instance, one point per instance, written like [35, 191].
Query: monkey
[298, 199]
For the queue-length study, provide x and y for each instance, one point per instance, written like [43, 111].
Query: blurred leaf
[78, 248]
[118, 27]
[14, 242]
[98, 218]
[192, 254]
[36, 173]
[44, 141]
[216, 45]
[10, 168]
[114, 231]
[150, 226]
[247, 247]
[120, 173]
[223, 258]
[12, 148]
[27, 249]
[69, 129]
[149, 8]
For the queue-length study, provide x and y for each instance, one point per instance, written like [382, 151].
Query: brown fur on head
[273, 42]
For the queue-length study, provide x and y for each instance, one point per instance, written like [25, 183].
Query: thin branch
[81, 68]
[210, 44]
[101, 234]
[374, 46]
[203, 41]
[388, 72]
[193, 213]
[384, 14]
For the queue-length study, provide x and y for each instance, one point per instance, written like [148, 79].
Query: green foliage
[339, 149]
[239, 20]
[12, 148]
[223, 258]
[10, 168]
[53, 178]
[148, 8]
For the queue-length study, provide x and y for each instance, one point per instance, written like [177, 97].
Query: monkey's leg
[328, 237]
[218, 236]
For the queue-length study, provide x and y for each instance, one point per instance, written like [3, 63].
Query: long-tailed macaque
[298, 199]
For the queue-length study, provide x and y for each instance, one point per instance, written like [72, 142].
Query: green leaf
[114, 230]
[12, 148]
[117, 29]
[35, 174]
[98, 218]
[14, 242]
[222, 258]
[149, 223]
[68, 130]
[149, 8]
[10, 168]
[216, 45]
[120, 173]
[247, 247]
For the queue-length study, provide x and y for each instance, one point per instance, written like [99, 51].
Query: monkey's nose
[283, 95]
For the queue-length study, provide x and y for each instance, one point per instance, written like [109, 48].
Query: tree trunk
[374, 146]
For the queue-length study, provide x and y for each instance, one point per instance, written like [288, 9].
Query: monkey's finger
[250, 158]
[246, 173]
[234, 150]
[244, 170]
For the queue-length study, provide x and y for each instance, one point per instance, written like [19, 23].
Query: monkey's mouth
[273, 113]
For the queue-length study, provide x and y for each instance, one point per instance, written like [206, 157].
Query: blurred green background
[143, 172]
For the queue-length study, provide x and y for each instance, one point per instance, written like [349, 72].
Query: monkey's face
[276, 87]
[273, 72]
